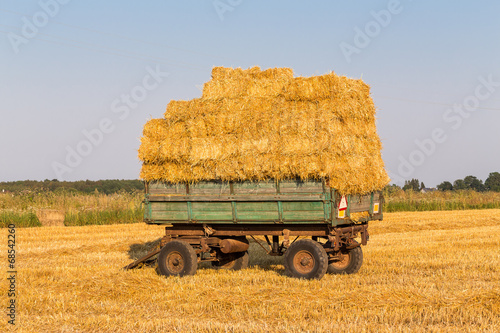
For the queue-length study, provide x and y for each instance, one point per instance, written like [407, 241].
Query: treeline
[492, 183]
[83, 186]
[109, 186]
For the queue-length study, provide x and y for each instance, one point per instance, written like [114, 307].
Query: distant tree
[85, 186]
[445, 186]
[413, 184]
[459, 184]
[492, 183]
[472, 183]
[390, 189]
[422, 186]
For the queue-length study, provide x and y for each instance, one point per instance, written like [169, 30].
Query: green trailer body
[314, 227]
[264, 202]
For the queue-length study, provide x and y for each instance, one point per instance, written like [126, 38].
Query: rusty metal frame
[143, 259]
[259, 243]
[196, 235]
[191, 229]
[339, 236]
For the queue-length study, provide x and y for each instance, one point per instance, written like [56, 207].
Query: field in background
[422, 271]
[24, 209]
[400, 201]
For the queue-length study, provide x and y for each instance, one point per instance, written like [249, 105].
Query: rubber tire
[240, 261]
[313, 248]
[355, 262]
[187, 253]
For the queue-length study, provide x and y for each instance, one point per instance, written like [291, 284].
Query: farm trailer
[211, 220]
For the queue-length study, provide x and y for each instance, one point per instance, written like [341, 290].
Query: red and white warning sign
[342, 207]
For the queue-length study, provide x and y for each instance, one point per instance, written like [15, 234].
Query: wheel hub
[342, 260]
[304, 262]
[175, 262]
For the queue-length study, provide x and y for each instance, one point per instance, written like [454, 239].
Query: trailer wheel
[177, 258]
[350, 263]
[232, 261]
[306, 259]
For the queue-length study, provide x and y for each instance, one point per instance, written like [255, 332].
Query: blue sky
[67, 68]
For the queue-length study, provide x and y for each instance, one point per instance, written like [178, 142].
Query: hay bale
[308, 128]
[50, 217]
[328, 86]
[234, 83]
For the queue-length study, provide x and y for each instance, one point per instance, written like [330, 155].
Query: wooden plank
[212, 217]
[303, 211]
[255, 191]
[223, 198]
[247, 188]
[257, 211]
[303, 215]
[258, 216]
[212, 211]
[166, 188]
[169, 216]
[303, 206]
[211, 206]
[360, 203]
[297, 187]
[254, 188]
[169, 206]
[210, 188]
[169, 210]
[167, 191]
[256, 206]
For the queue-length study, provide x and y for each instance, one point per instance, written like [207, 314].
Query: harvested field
[422, 271]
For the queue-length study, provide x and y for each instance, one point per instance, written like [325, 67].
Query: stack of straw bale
[255, 125]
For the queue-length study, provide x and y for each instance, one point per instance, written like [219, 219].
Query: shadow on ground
[141, 249]
[257, 256]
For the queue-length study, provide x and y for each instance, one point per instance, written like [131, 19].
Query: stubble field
[422, 271]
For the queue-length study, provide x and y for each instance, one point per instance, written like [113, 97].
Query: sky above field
[80, 78]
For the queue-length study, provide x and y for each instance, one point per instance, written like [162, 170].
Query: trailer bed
[264, 202]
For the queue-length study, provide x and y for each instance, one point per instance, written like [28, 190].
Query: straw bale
[324, 87]
[225, 73]
[307, 128]
[50, 217]
[234, 83]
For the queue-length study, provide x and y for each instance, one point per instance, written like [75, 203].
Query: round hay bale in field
[51, 217]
